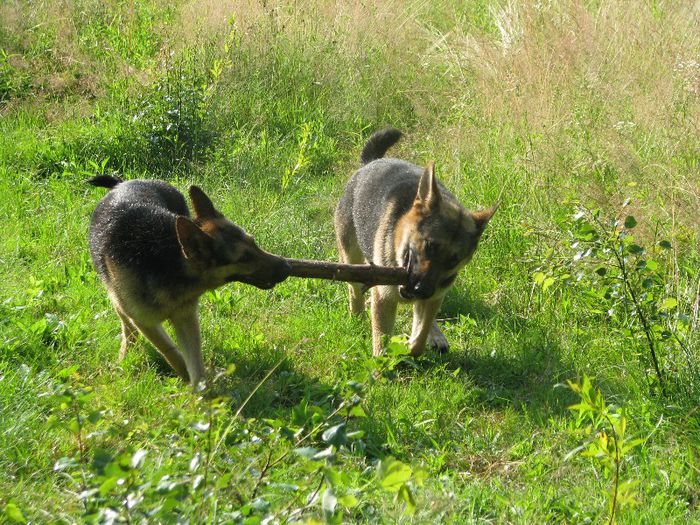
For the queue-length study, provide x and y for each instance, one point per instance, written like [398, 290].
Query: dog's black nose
[423, 289]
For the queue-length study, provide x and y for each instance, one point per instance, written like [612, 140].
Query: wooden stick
[367, 274]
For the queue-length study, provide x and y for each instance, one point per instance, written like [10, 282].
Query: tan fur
[208, 238]
[431, 219]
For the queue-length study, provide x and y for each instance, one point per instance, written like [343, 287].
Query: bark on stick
[367, 274]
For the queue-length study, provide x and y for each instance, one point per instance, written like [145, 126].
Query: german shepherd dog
[394, 213]
[155, 261]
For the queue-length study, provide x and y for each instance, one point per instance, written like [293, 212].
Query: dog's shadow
[265, 384]
[458, 301]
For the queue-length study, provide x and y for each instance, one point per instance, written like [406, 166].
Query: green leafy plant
[401, 479]
[609, 445]
[13, 81]
[627, 284]
[172, 120]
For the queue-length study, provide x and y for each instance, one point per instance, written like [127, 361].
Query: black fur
[105, 181]
[134, 225]
[377, 145]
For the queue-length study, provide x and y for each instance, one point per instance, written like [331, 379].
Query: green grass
[267, 109]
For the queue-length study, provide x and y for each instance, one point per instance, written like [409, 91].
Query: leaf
[138, 457]
[306, 452]
[630, 222]
[357, 411]
[357, 434]
[573, 452]
[668, 303]
[329, 502]
[393, 474]
[549, 281]
[325, 453]
[14, 514]
[335, 435]
[635, 249]
[632, 443]
[332, 476]
[108, 485]
[201, 426]
[64, 463]
[286, 487]
[95, 416]
[348, 501]
[223, 481]
[406, 495]
[195, 461]
[665, 245]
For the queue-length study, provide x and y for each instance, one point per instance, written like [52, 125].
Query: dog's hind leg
[129, 333]
[157, 335]
[350, 253]
[186, 325]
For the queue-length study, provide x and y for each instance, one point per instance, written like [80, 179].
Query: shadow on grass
[269, 378]
[525, 378]
[519, 364]
[460, 301]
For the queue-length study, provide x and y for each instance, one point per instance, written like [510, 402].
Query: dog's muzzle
[268, 278]
[419, 286]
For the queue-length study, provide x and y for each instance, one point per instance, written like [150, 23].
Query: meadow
[571, 389]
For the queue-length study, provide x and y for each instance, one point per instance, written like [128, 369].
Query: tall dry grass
[579, 97]
[611, 87]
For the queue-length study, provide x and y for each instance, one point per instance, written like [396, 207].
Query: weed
[631, 285]
[609, 446]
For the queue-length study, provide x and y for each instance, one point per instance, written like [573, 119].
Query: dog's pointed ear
[194, 242]
[428, 192]
[202, 204]
[482, 217]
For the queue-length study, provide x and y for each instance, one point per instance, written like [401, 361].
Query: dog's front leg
[186, 325]
[424, 313]
[157, 335]
[385, 299]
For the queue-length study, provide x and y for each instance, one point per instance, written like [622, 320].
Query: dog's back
[134, 227]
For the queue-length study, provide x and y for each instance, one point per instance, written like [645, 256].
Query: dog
[155, 261]
[394, 213]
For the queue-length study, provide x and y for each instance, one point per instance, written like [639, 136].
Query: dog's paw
[438, 341]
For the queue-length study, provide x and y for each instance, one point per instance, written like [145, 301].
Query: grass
[564, 106]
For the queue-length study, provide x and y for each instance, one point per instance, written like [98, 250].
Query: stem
[616, 478]
[644, 321]
[208, 456]
[263, 472]
[81, 447]
[637, 307]
[79, 432]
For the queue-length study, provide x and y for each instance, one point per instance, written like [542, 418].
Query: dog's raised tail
[377, 145]
[104, 181]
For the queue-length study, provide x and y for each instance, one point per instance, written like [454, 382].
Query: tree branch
[367, 274]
